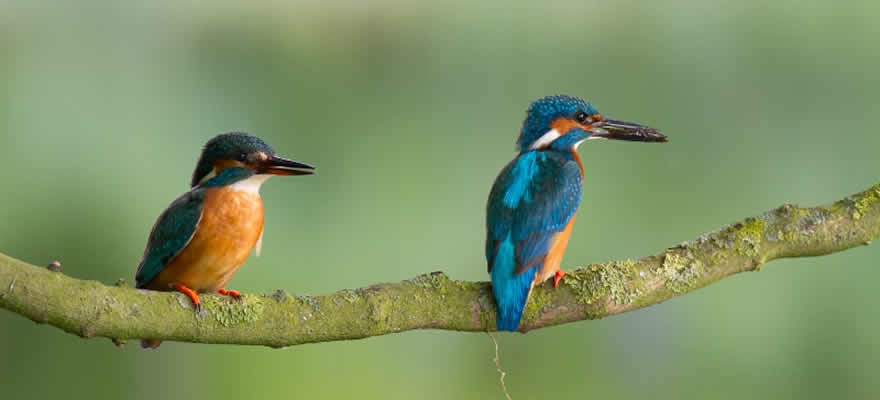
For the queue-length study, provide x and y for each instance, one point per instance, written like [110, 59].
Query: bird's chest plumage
[230, 226]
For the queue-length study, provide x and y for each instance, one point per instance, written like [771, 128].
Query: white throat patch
[545, 139]
[250, 185]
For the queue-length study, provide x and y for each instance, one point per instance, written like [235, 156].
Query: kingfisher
[532, 205]
[207, 233]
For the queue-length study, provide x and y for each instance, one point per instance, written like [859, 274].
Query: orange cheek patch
[564, 125]
[220, 165]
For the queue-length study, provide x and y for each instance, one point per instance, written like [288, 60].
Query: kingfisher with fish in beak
[532, 205]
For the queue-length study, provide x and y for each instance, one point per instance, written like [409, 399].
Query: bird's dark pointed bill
[281, 166]
[622, 130]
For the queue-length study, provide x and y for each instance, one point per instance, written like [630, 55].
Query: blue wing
[533, 199]
[173, 230]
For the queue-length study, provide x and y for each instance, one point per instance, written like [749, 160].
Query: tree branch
[433, 301]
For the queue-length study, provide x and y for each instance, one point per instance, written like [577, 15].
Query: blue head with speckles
[562, 122]
[553, 118]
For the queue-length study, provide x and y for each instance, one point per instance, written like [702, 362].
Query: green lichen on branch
[231, 312]
[864, 202]
[616, 280]
[538, 301]
[749, 236]
[680, 274]
[433, 301]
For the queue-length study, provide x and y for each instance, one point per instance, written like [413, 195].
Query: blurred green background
[409, 111]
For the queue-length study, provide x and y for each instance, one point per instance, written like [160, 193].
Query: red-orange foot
[189, 293]
[231, 293]
[559, 274]
[150, 343]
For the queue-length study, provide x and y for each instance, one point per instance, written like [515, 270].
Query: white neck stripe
[545, 140]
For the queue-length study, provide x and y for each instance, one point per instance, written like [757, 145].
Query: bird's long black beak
[276, 165]
[622, 130]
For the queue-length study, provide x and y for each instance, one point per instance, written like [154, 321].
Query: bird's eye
[582, 118]
[242, 157]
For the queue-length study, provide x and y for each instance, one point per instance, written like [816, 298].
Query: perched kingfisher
[205, 235]
[533, 202]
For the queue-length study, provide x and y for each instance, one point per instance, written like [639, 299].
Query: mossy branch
[433, 301]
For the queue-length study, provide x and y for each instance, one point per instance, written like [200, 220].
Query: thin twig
[497, 362]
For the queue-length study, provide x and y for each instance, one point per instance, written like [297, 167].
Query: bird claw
[231, 293]
[197, 304]
[559, 274]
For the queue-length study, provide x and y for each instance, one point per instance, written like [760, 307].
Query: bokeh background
[409, 110]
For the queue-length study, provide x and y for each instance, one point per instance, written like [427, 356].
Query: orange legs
[189, 293]
[559, 274]
[195, 296]
[150, 343]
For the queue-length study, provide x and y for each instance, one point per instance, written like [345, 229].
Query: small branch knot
[55, 266]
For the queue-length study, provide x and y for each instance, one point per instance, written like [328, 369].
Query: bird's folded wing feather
[533, 199]
[172, 232]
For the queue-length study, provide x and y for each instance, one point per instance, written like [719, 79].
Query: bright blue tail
[511, 292]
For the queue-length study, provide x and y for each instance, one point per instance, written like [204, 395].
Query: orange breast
[554, 256]
[231, 224]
